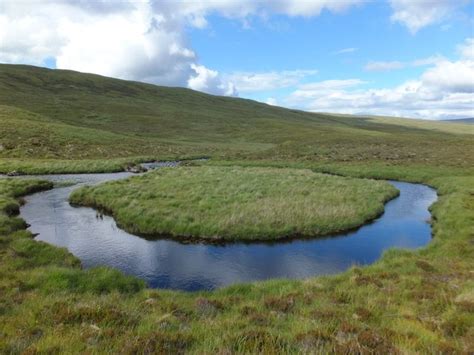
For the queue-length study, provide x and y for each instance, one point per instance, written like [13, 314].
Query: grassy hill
[59, 114]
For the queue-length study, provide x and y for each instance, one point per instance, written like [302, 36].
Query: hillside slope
[65, 114]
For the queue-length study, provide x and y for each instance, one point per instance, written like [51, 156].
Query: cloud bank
[445, 90]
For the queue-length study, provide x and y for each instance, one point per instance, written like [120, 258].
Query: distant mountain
[462, 120]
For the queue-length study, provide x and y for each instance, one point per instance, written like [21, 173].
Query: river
[96, 240]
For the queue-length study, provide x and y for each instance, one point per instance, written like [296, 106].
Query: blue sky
[337, 46]
[412, 58]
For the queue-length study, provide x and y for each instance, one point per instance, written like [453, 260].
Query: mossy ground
[235, 203]
[409, 301]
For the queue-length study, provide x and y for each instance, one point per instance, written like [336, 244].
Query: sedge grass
[235, 203]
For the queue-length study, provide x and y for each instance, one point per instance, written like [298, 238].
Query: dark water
[169, 264]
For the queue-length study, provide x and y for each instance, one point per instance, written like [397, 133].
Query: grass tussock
[237, 203]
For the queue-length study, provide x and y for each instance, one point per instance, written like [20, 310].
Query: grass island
[235, 203]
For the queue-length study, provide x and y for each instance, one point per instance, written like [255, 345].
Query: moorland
[62, 121]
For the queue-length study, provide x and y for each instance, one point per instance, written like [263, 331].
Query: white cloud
[25, 38]
[444, 90]
[411, 99]
[330, 85]
[251, 82]
[243, 8]
[384, 66]
[346, 50]
[449, 76]
[466, 49]
[395, 65]
[209, 81]
[427, 61]
[310, 8]
[272, 101]
[416, 14]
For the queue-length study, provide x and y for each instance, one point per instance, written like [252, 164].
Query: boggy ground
[235, 203]
[409, 301]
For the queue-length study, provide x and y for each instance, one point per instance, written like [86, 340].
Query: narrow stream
[170, 264]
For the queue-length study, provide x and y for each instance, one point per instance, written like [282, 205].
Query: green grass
[57, 166]
[409, 301]
[232, 203]
[9, 206]
[64, 115]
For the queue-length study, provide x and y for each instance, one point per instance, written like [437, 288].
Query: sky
[409, 58]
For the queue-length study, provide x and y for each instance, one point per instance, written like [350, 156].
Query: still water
[170, 264]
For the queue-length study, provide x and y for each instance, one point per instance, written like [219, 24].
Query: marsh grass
[409, 301]
[235, 203]
[57, 166]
